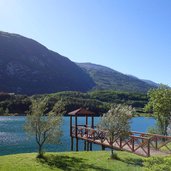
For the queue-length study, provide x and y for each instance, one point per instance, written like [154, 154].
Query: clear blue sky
[131, 36]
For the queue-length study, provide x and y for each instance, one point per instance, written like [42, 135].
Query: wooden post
[71, 147]
[103, 147]
[92, 122]
[70, 125]
[94, 135]
[76, 126]
[120, 142]
[76, 133]
[85, 144]
[133, 144]
[156, 145]
[90, 146]
[148, 148]
[76, 144]
[86, 125]
[86, 121]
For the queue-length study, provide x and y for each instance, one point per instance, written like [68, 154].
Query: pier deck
[143, 144]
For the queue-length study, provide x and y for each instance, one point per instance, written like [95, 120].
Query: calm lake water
[13, 139]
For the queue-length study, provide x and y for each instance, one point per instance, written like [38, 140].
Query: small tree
[116, 123]
[44, 126]
[160, 104]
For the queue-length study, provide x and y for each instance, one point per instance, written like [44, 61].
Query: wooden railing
[157, 141]
[136, 142]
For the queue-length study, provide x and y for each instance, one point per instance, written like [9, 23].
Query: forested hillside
[27, 67]
[109, 79]
[97, 101]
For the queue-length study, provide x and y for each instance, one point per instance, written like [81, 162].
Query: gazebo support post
[92, 122]
[103, 147]
[91, 146]
[76, 144]
[71, 126]
[76, 133]
[72, 144]
[85, 145]
[86, 124]
[86, 121]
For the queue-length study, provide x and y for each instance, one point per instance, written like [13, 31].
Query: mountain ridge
[107, 78]
[28, 67]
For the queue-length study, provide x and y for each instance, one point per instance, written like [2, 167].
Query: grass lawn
[72, 161]
[164, 148]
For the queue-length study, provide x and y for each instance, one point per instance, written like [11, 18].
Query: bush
[158, 164]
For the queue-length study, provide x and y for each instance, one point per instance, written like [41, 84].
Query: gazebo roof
[81, 112]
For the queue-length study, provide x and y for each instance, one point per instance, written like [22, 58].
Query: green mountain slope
[27, 67]
[151, 82]
[106, 79]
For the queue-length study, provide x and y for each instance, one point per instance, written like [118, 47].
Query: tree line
[97, 101]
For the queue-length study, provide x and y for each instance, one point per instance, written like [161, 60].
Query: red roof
[81, 112]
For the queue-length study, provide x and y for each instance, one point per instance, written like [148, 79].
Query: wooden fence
[144, 144]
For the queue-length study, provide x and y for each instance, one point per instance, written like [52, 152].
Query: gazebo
[79, 113]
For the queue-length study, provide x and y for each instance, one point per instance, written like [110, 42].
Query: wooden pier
[143, 144]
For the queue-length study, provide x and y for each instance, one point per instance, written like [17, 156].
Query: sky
[130, 36]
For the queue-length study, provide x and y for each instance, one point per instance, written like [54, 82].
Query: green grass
[158, 163]
[72, 161]
[164, 148]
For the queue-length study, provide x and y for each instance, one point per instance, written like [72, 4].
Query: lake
[13, 139]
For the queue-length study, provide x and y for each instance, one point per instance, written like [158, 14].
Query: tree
[44, 126]
[116, 123]
[2, 111]
[160, 104]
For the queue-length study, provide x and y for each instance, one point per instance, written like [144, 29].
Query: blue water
[13, 139]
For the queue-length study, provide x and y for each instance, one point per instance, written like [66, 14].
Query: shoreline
[65, 115]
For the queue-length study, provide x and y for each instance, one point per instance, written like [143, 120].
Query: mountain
[107, 78]
[151, 82]
[27, 67]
